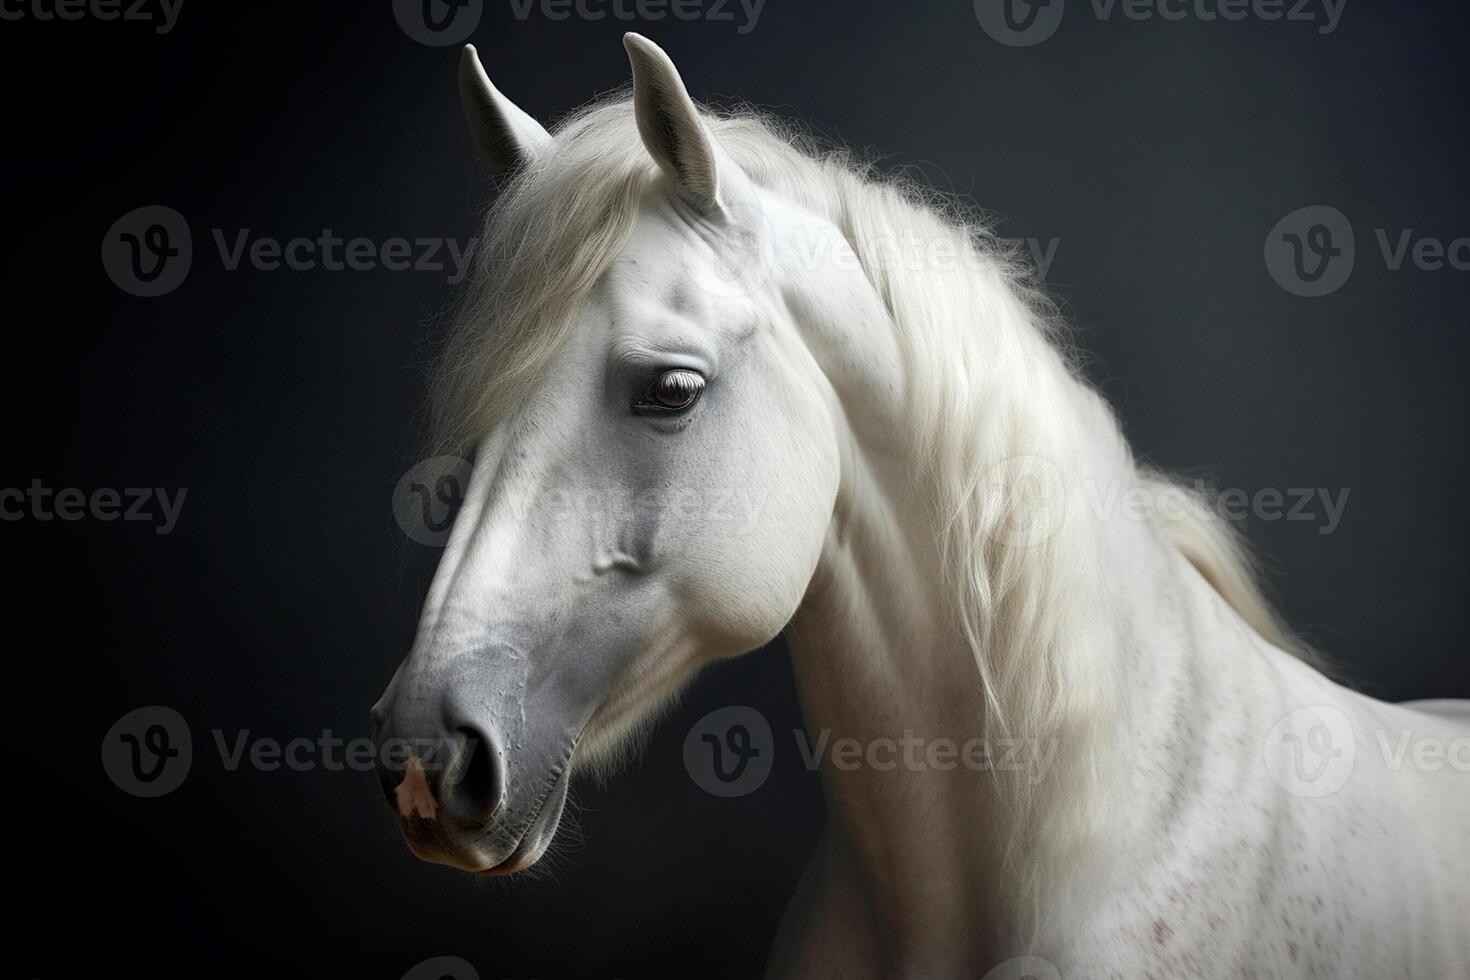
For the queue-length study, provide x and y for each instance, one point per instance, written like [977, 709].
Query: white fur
[898, 411]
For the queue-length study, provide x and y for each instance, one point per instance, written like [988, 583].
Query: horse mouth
[538, 834]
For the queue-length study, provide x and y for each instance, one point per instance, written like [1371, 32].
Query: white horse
[674, 309]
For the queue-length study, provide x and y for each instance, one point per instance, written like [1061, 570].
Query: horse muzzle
[459, 798]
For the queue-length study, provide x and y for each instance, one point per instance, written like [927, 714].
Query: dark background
[1159, 153]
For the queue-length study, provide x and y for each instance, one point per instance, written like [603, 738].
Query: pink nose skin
[413, 794]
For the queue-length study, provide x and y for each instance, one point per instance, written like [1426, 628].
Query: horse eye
[671, 393]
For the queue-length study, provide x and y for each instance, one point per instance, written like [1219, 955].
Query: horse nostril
[474, 793]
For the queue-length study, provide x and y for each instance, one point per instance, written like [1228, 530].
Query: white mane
[993, 385]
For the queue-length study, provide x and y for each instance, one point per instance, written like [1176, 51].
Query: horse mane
[997, 389]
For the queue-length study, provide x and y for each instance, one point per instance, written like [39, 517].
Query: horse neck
[958, 851]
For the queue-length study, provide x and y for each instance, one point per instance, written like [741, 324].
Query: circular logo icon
[1311, 752]
[1024, 968]
[729, 751]
[1020, 23]
[148, 251]
[740, 259]
[1310, 252]
[443, 968]
[438, 23]
[428, 498]
[1029, 496]
[148, 751]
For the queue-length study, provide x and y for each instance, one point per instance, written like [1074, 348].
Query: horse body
[1208, 865]
[1108, 762]
[1227, 874]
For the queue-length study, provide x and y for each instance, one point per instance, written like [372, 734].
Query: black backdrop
[1158, 154]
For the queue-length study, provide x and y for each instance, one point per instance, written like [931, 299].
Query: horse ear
[671, 128]
[506, 137]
